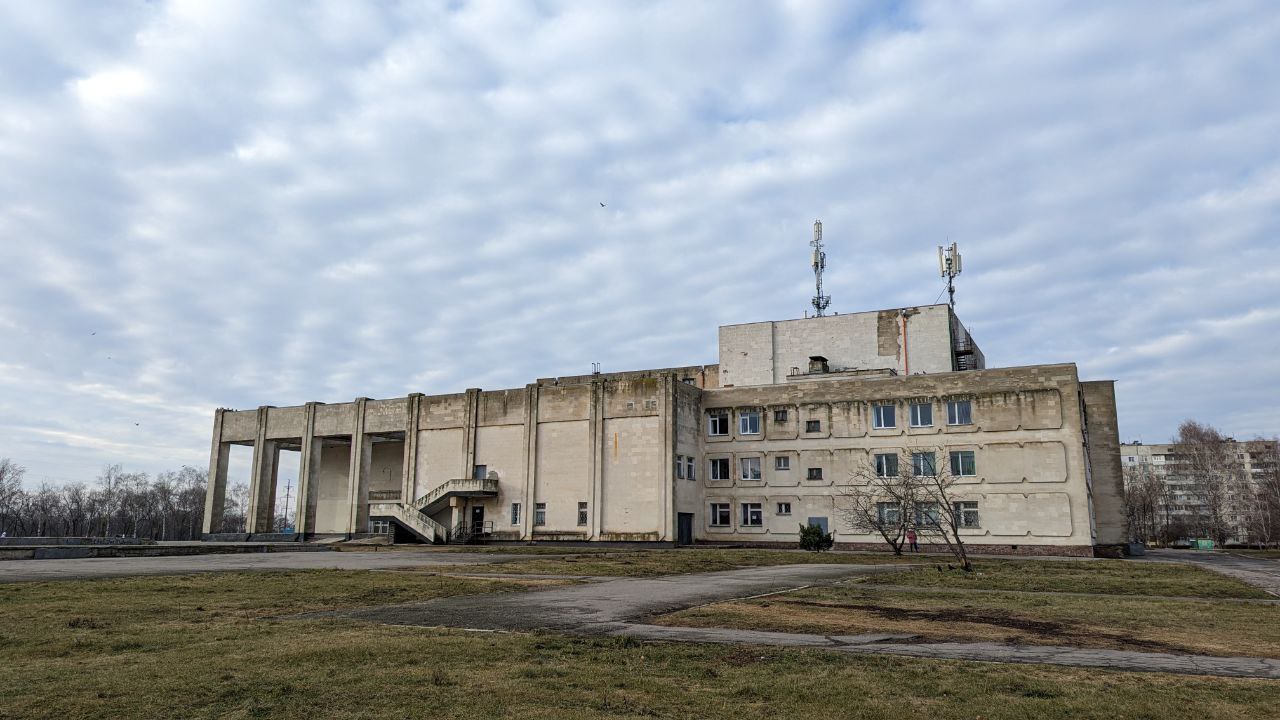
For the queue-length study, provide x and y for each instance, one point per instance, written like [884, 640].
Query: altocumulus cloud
[225, 203]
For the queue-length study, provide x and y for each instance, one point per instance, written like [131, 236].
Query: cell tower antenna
[820, 302]
[949, 267]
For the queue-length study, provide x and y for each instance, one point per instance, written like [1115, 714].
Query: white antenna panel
[942, 264]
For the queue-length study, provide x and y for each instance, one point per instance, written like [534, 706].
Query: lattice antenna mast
[949, 267]
[820, 302]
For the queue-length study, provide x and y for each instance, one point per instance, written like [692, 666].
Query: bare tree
[1145, 503]
[1207, 460]
[897, 493]
[11, 496]
[1262, 506]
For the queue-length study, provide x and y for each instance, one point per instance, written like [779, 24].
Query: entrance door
[820, 522]
[477, 519]
[684, 528]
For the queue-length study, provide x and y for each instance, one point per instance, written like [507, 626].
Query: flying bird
[601, 204]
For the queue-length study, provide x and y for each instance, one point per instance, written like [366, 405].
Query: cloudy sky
[209, 204]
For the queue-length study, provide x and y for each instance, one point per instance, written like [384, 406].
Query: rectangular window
[679, 467]
[784, 508]
[718, 423]
[690, 468]
[921, 414]
[883, 417]
[967, 514]
[751, 468]
[814, 474]
[720, 514]
[779, 416]
[380, 527]
[720, 469]
[889, 513]
[962, 463]
[782, 462]
[539, 513]
[959, 412]
[926, 514]
[812, 426]
[752, 515]
[922, 464]
[515, 513]
[480, 472]
[749, 422]
[582, 513]
[886, 465]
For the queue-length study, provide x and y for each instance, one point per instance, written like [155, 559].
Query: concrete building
[738, 452]
[1182, 506]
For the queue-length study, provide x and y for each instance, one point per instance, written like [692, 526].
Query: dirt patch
[1027, 629]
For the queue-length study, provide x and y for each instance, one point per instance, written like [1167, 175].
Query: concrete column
[409, 476]
[358, 474]
[531, 460]
[308, 472]
[667, 421]
[596, 450]
[262, 482]
[216, 492]
[471, 419]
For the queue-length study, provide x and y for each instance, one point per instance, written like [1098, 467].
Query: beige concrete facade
[635, 456]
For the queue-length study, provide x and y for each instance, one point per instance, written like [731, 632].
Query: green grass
[1112, 577]
[212, 646]
[1104, 621]
[649, 563]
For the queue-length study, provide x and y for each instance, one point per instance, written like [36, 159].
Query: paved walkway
[78, 569]
[1260, 572]
[620, 607]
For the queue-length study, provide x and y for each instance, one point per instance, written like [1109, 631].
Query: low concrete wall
[120, 551]
[1028, 550]
[50, 541]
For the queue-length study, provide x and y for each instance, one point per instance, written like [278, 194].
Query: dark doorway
[477, 519]
[684, 528]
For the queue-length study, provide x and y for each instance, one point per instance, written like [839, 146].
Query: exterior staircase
[416, 516]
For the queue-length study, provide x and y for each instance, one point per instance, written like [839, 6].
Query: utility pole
[288, 487]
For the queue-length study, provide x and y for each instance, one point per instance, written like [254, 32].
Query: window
[380, 527]
[886, 465]
[480, 472]
[688, 381]
[780, 416]
[959, 412]
[751, 468]
[539, 513]
[922, 464]
[720, 469]
[889, 513]
[690, 469]
[749, 422]
[679, 467]
[784, 508]
[718, 423]
[814, 474]
[882, 416]
[962, 463]
[752, 515]
[720, 514]
[967, 514]
[582, 513]
[782, 462]
[927, 514]
[812, 426]
[515, 513]
[921, 414]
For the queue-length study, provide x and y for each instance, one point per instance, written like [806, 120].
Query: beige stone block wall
[440, 456]
[634, 467]
[385, 466]
[333, 503]
[564, 474]
[501, 449]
